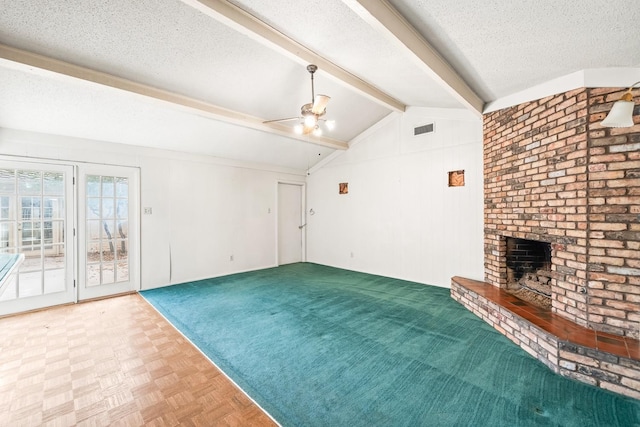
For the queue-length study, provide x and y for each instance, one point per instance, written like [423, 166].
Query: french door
[108, 231]
[36, 220]
[38, 210]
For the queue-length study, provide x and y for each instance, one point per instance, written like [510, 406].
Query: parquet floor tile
[111, 362]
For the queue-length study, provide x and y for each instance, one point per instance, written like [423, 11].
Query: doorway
[291, 223]
[108, 231]
[77, 228]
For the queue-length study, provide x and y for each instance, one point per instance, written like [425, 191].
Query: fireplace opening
[529, 270]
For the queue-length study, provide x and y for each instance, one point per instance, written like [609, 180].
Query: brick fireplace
[553, 175]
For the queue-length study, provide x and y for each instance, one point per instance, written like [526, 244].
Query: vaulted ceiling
[202, 76]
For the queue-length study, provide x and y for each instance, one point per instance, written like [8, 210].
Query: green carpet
[320, 346]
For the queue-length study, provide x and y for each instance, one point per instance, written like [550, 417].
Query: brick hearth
[597, 358]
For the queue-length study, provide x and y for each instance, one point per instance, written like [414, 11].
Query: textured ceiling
[138, 121]
[344, 38]
[196, 55]
[500, 47]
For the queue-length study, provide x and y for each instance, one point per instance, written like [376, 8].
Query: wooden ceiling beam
[32, 61]
[382, 16]
[247, 24]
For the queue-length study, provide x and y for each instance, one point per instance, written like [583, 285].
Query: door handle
[300, 227]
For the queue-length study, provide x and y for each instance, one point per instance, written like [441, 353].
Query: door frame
[134, 231]
[303, 218]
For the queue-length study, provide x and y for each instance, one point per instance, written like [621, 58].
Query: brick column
[535, 167]
[614, 219]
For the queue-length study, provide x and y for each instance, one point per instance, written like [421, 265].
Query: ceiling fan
[311, 113]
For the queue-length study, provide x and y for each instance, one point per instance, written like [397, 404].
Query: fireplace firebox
[529, 275]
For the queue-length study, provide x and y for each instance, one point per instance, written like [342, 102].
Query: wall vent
[423, 129]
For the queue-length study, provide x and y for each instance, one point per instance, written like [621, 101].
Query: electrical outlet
[231, 258]
[148, 211]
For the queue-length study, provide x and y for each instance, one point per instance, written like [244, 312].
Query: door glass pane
[108, 273]
[54, 281]
[53, 232]
[53, 207]
[93, 230]
[123, 229]
[93, 186]
[122, 187]
[108, 186]
[122, 208]
[108, 227]
[93, 208]
[7, 235]
[121, 246]
[107, 208]
[32, 222]
[30, 234]
[11, 289]
[7, 208]
[54, 257]
[30, 182]
[53, 183]
[47, 232]
[122, 271]
[29, 283]
[30, 207]
[32, 259]
[107, 230]
[93, 274]
[7, 181]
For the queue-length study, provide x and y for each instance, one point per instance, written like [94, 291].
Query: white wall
[204, 209]
[400, 218]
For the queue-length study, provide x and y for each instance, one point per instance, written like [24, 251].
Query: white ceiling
[202, 76]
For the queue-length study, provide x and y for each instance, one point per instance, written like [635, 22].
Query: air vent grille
[423, 129]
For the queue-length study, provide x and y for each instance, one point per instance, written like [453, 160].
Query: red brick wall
[614, 219]
[553, 174]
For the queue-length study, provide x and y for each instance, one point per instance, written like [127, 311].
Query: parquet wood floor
[111, 362]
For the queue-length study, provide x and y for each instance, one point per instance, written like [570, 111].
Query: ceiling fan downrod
[312, 69]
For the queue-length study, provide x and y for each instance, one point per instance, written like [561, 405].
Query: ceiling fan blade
[320, 104]
[288, 119]
[307, 130]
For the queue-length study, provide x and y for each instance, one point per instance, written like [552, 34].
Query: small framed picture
[343, 188]
[456, 178]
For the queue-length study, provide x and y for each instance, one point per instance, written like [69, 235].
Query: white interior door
[108, 238]
[291, 226]
[36, 220]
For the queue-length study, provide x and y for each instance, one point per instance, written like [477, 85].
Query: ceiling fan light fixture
[320, 104]
[621, 114]
[310, 120]
[311, 113]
